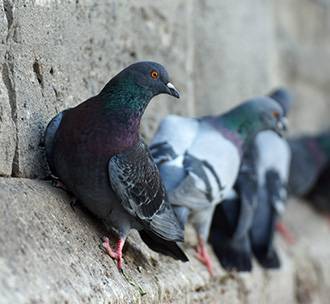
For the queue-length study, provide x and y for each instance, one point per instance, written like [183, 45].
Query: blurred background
[54, 54]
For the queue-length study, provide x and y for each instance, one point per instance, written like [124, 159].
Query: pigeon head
[253, 116]
[152, 77]
[269, 115]
[283, 97]
[131, 90]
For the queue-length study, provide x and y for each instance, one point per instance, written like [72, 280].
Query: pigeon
[245, 224]
[95, 149]
[310, 156]
[319, 196]
[232, 219]
[199, 159]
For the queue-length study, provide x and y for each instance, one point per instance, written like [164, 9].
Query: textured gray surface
[303, 44]
[58, 53]
[50, 253]
[235, 53]
[55, 54]
[7, 126]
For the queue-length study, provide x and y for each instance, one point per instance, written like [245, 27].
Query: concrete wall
[56, 53]
[50, 253]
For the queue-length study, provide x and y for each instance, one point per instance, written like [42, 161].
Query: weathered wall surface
[56, 53]
[50, 254]
[303, 44]
[234, 55]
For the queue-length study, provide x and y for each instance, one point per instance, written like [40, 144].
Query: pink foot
[203, 256]
[115, 254]
[285, 233]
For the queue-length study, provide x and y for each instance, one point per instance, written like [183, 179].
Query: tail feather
[268, 260]
[162, 246]
[166, 225]
[232, 254]
[232, 259]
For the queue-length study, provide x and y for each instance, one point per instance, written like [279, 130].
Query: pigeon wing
[135, 179]
[49, 139]
[271, 202]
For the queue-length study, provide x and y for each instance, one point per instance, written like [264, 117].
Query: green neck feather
[324, 141]
[123, 97]
[244, 121]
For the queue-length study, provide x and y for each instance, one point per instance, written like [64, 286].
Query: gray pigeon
[319, 196]
[96, 151]
[310, 156]
[232, 220]
[199, 159]
[246, 224]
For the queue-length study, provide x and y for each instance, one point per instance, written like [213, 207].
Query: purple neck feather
[228, 134]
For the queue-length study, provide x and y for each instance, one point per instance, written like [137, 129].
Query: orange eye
[276, 115]
[154, 74]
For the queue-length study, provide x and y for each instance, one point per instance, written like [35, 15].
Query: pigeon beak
[172, 90]
[282, 125]
[285, 123]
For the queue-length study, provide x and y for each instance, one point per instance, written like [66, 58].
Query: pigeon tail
[233, 259]
[269, 259]
[157, 244]
[234, 255]
[166, 225]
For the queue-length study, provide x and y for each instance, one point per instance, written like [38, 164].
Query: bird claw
[114, 254]
[285, 233]
[107, 247]
[204, 257]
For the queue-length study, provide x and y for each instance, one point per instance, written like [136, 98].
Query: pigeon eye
[276, 115]
[154, 74]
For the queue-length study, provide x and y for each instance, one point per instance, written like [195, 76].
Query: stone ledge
[50, 253]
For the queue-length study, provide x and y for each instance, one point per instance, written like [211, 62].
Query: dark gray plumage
[310, 169]
[310, 156]
[319, 196]
[232, 220]
[96, 151]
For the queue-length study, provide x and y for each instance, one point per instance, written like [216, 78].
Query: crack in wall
[8, 79]
[37, 71]
[7, 75]
[8, 8]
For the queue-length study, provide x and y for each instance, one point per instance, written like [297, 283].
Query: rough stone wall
[303, 46]
[50, 253]
[234, 55]
[56, 53]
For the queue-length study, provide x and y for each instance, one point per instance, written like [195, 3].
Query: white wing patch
[273, 153]
[177, 131]
[221, 154]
